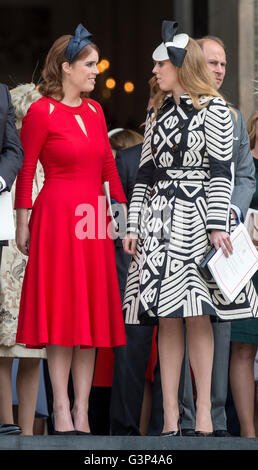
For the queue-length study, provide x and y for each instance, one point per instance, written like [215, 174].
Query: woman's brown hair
[124, 139]
[52, 72]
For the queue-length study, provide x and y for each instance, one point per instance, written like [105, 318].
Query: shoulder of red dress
[41, 105]
[90, 100]
[38, 112]
[93, 103]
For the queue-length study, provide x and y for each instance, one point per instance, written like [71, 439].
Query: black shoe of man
[188, 432]
[221, 433]
[9, 429]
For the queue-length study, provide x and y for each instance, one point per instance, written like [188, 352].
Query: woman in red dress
[70, 300]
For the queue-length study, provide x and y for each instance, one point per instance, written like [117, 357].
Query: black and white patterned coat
[182, 192]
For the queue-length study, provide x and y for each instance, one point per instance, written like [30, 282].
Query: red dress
[104, 365]
[70, 293]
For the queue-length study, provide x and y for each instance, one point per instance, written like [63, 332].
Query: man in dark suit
[130, 361]
[11, 158]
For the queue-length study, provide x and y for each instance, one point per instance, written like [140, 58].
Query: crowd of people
[115, 328]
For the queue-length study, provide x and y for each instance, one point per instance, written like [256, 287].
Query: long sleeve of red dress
[34, 133]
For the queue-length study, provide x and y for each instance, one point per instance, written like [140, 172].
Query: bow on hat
[173, 46]
[173, 42]
[82, 37]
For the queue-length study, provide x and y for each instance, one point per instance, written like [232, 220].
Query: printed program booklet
[232, 274]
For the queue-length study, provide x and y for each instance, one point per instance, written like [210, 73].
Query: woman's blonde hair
[124, 139]
[52, 72]
[22, 97]
[251, 128]
[194, 77]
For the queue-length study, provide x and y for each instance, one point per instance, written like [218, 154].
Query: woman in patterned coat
[181, 205]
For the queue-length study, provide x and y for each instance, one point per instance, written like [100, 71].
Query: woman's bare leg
[27, 385]
[83, 363]
[6, 409]
[171, 353]
[59, 364]
[256, 409]
[201, 351]
[243, 385]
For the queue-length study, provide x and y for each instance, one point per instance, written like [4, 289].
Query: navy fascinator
[82, 37]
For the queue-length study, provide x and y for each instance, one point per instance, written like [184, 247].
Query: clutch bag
[203, 266]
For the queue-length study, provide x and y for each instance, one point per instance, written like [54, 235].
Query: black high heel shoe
[204, 434]
[61, 433]
[173, 433]
[179, 430]
[80, 433]
[83, 433]
[64, 433]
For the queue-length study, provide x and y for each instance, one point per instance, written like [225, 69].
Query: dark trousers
[130, 363]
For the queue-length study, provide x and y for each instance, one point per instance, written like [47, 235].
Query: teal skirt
[246, 331]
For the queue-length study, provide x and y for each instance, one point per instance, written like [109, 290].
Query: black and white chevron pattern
[190, 150]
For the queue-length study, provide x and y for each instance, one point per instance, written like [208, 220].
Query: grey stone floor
[108, 443]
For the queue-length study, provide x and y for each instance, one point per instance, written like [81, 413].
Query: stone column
[246, 56]
[223, 22]
[183, 14]
[236, 22]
